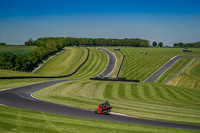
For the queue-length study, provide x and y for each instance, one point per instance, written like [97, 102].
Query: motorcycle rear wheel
[106, 111]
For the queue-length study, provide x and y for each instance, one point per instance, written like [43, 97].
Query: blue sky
[168, 21]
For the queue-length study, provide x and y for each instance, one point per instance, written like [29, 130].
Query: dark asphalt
[111, 64]
[164, 68]
[20, 97]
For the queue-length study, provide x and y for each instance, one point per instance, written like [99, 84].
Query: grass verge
[174, 69]
[22, 121]
[146, 100]
[186, 79]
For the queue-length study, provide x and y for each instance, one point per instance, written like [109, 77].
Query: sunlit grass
[186, 79]
[140, 66]
[146, 100]
[23, 121]
[65, 63]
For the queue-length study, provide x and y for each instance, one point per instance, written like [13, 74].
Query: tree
[175, 45]
[154, 44]
[2, 44]
[160, 44]
[181, 45]
[30, 42]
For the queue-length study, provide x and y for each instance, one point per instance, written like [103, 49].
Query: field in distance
[16, 49]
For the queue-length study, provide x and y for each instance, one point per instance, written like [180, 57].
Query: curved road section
[111, 64]
[21, 97]
[164, 68]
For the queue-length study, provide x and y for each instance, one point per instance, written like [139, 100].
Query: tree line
[50, 45]
[30, 60]
[187, 45]
[70, 41]
[2, 44]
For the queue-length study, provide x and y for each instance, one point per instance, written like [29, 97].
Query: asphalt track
[164, 68]
[111, 64]
[21, 97]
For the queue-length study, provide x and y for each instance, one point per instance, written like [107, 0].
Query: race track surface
[21, 98]
[111, 64]
[164, 68]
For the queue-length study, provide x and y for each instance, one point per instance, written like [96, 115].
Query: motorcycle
[103, 108]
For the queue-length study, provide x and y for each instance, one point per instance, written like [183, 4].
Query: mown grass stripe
[134, 91]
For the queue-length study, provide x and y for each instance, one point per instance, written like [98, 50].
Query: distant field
[146, 100]
[189, 78]
[16, 49]
[140, 66]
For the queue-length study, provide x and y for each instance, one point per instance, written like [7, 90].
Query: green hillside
[96, 63]
[178, 101]
[188, 78]
[146, 100]
[140, 66]
[65, 63]
[174, 69]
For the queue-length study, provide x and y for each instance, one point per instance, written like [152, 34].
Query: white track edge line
[160, 68]
[108, 60]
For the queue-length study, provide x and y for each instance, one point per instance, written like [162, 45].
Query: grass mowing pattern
[186, 79]
[16, 49]
[65, 63]
[140, 66]
[23, 121]
[9, 73]
[196, 70]
[146, 100]
[13, 83]
[95, 64]
[174, 69]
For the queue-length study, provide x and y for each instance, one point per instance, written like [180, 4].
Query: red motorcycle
[103, 108]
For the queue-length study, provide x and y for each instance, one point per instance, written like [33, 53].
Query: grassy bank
[146, 100]
[22, 121]
[65, 63]
[174, 69]
[140, 66]
[187, 79]
[96, 63]
[10, 73]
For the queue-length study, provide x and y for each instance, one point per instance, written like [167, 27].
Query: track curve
[164, 68]
[111, 64]
[21, 97]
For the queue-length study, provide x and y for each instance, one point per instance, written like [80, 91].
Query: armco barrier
[115, 79]
[120, 66]
[22, 77]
